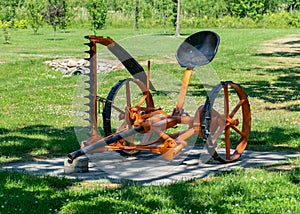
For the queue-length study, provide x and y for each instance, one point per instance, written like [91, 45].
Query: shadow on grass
[31, 194]
[279, 54]
[294, 51]
[275, 139]
[285, 88]
[292, 42]
[55, 39]
[36, 141]
[289, 167]
[198, 90]
[292, 107]
[172, 34]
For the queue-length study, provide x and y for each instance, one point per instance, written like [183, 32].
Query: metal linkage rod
[101, 143]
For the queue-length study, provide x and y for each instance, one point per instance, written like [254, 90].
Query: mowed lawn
[36, 121]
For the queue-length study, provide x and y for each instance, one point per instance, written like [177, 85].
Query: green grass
[36, 121]
[36, 114]
[238, 191]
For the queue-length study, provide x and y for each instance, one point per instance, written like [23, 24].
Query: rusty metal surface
[214, 123]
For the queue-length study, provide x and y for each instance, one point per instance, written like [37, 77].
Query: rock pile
[75, 67]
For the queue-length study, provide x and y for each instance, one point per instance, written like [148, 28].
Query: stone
[72, 63]
[79, 165]
[70, 67]
[77, 71]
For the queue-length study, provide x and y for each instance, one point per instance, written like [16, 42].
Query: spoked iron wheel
[226, 122]
[124, 94]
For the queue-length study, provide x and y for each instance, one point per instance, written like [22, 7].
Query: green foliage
[34, 13]
[5, 28]
[211, 8]
[291, 5]
[150, 13]
[21, 24]
[56, 14]
[97, 13]
[272, 20]
[255, 9]
[247, 8]
[280, 20]
[9, 8]
[164, 13]
[67, 15]
[97, 10]
[126, 7]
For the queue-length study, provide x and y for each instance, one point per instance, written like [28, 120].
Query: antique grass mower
[139, 119]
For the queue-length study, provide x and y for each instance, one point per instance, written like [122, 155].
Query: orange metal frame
[149, 119]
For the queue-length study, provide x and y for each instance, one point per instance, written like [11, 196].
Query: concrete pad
[152, 171]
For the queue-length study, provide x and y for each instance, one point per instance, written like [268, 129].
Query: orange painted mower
[140, 121]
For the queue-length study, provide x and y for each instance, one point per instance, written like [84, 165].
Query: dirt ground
[283, 52]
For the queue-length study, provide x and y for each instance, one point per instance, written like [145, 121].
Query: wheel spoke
[131, 140]
[128, 95]
[217, 135]
[218, 115]
[122, 126]
[227, 120]
[146, 137]
[226, 101]
[117, 109]
[227, 128]
[238, 131]
[236, 108]
[227, 142]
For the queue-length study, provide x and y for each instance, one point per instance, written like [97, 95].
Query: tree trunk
[177, 31]
[136, 15]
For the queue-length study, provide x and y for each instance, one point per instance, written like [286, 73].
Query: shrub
[281, 20]
[21, 24]
[97, 10]
[273, 20]
[119, 20]
[34, 13]
[5, 26]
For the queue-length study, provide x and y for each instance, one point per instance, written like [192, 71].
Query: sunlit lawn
[37, 122]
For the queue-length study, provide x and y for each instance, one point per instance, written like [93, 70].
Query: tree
[136, 15]
[164, 13]
[177, 30]
[200, 8]
[8, 14]
[53, 15]
[97, 10]
[8, 10]
[5, 26]
[65, 19]
[35, 13]
[247, 8]
[56, 14]
[292, 5]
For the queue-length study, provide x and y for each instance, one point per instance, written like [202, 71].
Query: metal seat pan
[198, 49]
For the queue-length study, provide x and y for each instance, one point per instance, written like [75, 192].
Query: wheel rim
[226, 131]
